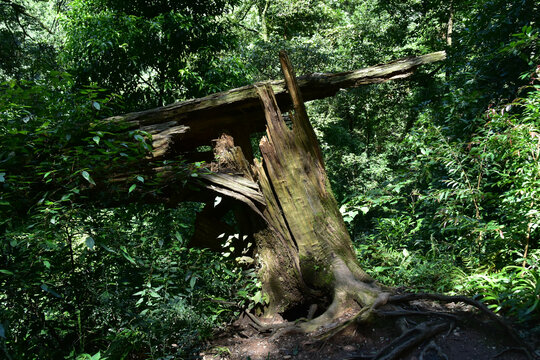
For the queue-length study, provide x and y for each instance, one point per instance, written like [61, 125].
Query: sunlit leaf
[90, 243]
[126, 255]
[257, 298]
[87, 177]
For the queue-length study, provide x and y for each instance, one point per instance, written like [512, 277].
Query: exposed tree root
[416, 313]
[331, 323]
[349, 288]
[409, 339]
[312, 311]
[259, 326]
[428, 351]
[361, 316]
[527, 348]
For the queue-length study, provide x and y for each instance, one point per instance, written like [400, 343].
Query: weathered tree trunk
[304, 250]
[450, 24]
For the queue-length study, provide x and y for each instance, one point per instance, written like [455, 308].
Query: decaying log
[184, 126]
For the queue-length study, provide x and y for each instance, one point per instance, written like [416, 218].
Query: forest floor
[469, 335]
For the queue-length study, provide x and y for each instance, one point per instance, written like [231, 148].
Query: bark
[182, 127]
[299, 188]
[278, 262]
[263, 10]
[304, 251]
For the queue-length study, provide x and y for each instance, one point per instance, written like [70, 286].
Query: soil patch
[469, 335]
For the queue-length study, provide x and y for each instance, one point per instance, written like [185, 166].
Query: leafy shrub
[471, 195]
[411, 269]
[514, 289]
[83, 280]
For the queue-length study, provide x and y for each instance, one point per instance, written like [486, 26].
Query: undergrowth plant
[461, 211]
[96, 282]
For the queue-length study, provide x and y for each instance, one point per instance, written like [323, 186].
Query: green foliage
[471, 196]
[477, 201]
[479, 71]
[437, 175]
[112, 283]
[89, 283]
[133, 289]
[53, 145]
[399, 267]
[27, 38]
[152, 52]
[515, 289]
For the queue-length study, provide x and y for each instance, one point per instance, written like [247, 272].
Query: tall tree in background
[151, 52]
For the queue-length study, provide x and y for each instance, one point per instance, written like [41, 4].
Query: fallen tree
[182, 127]
[284, 201]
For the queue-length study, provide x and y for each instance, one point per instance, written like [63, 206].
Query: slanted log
[183, 126]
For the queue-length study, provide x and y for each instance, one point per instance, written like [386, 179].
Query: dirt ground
[468, 335]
